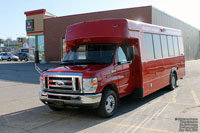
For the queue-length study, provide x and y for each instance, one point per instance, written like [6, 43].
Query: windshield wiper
[95, 62]
[83, 62]
[68, 62]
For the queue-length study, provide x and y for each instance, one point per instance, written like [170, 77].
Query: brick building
[53, 28]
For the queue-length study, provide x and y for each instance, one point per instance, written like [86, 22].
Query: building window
[149, 46]
[40, 42]
[157, 47]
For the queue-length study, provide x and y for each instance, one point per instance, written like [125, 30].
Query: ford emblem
[60, 83]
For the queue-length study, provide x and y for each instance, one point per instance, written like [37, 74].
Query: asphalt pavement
[163, 111]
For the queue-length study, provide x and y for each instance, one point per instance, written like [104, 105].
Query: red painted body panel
[149, 75]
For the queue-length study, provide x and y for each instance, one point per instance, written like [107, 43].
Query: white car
[14, 57]
[9, 57]
[5, 56]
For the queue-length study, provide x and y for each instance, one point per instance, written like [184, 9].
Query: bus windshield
[97, 54]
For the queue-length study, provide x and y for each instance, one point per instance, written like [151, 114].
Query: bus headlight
[90, 85]
[41, 82]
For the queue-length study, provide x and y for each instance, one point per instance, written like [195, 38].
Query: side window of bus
[149, 46]
[170, 45]
[164, 46]
[176, 47]
[157, 46]
[123, 55]
[180, 44]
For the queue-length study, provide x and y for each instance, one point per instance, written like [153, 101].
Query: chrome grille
[63, 82]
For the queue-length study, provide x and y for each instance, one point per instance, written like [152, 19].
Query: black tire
[173, 82]
[108, 94]
[8, 59]
[55, 108]
[26, 59]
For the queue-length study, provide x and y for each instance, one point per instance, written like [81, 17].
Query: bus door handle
[113, 71]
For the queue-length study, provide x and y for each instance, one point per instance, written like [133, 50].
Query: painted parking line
[148, 118]
[194, 95]
[136, 111]
[144, 128]
[177, 103]
[174, 94]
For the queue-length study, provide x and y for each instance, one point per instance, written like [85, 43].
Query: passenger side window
[170, 45]
[157, 46]
[123, 54]
[149, 46]
[180, 44]
[176, 47]
[164, 46]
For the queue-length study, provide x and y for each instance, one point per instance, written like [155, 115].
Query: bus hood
[86, 70]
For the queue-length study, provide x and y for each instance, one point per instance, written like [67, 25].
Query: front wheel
[109, 103]
[173, 82]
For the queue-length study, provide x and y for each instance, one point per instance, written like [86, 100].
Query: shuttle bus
[112, 58]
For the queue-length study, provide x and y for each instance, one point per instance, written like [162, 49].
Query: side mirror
[119, 63]
[131, 52]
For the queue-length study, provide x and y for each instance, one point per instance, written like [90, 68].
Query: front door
[124, 71]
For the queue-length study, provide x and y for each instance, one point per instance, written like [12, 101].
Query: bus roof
[150, 28]
[114, 28]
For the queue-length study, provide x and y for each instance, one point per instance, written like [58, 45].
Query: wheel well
[112, 87]
[174, 72]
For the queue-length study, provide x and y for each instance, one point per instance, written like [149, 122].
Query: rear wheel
[173, 82]
[109, 103]
[55, 108]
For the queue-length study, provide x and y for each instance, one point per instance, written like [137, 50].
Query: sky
[12, 18]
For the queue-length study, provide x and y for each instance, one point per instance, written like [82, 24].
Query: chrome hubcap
[110, 104]
[173, 82]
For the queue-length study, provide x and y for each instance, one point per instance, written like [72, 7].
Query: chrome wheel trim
[173, 82]
[110, 104]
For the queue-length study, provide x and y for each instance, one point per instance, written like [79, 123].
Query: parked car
[8, 57]
[5, 56]
[22, 56]
[13, 57]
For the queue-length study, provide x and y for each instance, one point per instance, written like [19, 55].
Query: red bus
[111, 58]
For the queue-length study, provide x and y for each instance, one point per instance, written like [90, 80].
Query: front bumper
[92, 100]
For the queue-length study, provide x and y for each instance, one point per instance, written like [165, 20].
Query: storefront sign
[20, 41]
[30, 25]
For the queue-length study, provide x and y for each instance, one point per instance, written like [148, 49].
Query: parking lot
[21, 110]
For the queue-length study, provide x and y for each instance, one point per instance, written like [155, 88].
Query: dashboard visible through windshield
[97, 54]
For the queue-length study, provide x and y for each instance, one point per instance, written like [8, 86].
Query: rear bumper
[92, 100]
